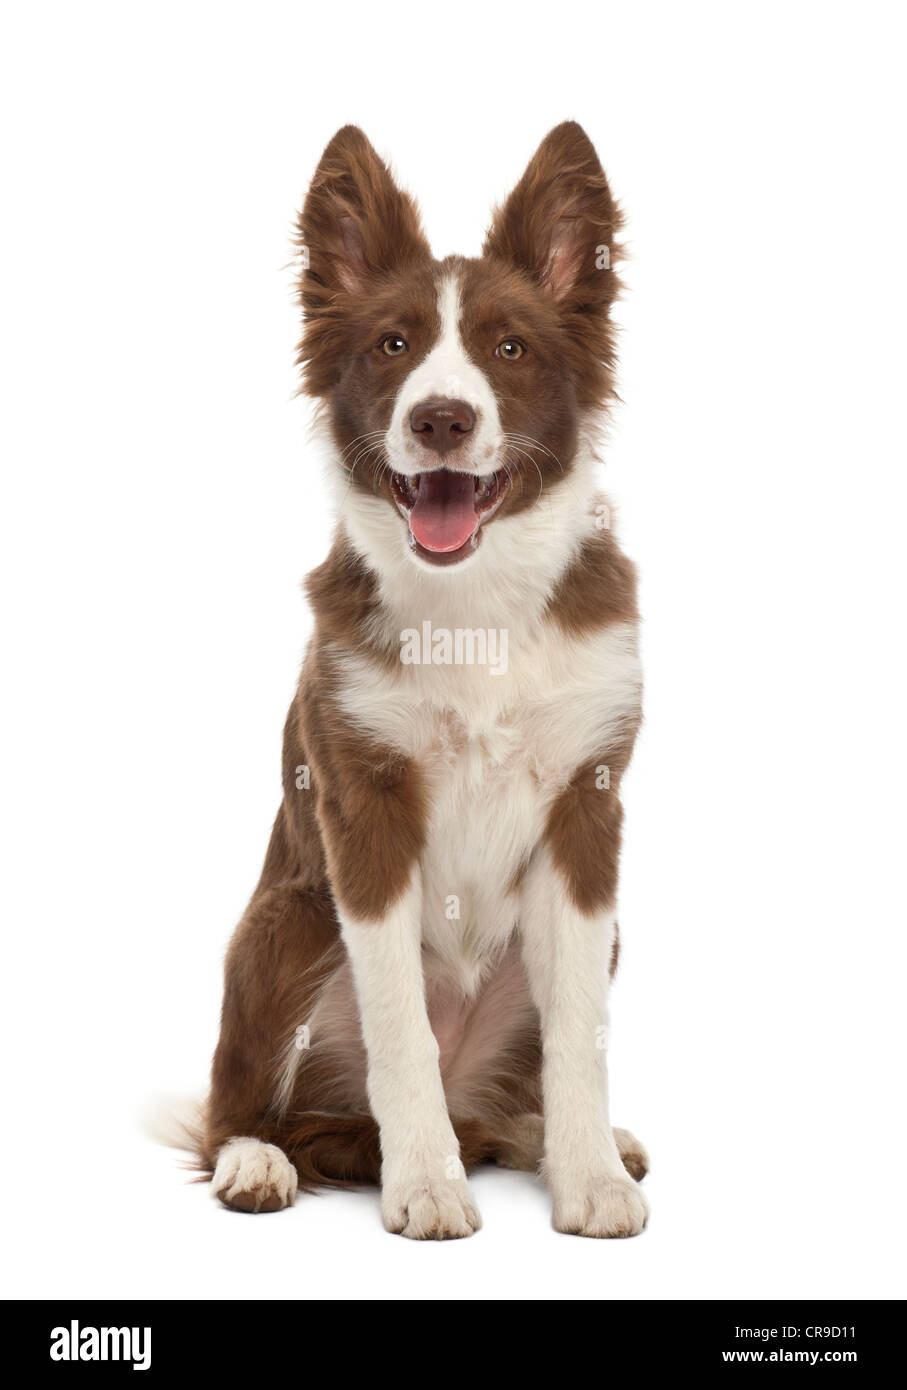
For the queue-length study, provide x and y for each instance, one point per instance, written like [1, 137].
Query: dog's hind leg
[253, 1176]
[520, 1143]
[520, 1139]
[490, 1053]
[632, 1152]
[284, 949]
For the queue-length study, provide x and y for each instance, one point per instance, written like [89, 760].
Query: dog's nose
[442, 425]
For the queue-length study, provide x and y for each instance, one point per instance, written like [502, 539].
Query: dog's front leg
[424, 1191]
[567, 950]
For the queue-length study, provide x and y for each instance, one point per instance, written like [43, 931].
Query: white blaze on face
[446, 373]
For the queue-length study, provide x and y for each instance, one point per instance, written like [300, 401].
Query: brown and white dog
[420, 981]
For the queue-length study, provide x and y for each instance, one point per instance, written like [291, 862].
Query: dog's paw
[632, 1154]
[252, 1176]
[604, 1206]
[429, 1208]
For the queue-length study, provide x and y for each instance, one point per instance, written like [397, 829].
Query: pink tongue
[444, 517]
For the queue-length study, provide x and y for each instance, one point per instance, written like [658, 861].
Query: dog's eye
[394, 345]
[511, 349]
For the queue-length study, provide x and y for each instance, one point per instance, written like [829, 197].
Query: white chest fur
[495, 750]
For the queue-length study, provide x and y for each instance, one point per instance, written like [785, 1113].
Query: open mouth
[445, 509]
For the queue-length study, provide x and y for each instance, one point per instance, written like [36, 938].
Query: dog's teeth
[408, 486]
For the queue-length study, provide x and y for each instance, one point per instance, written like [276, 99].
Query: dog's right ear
[356, 225]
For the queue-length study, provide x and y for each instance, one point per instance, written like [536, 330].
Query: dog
[420, 981]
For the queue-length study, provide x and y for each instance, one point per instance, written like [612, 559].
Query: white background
[161, 504]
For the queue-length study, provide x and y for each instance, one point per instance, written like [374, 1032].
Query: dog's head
[455, 389]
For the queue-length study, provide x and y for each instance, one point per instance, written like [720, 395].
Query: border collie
[420, 981]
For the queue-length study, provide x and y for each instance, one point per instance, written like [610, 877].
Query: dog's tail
[177, 1122]
[327, 1150]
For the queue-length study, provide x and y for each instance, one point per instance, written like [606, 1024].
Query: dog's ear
[560, 222]
[356, 223]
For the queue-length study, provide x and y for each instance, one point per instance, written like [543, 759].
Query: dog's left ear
[560, 222]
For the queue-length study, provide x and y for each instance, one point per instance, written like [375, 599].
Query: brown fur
[352, 835]
[563, 201]
[583, 830]
[599, 588]
[369, 272]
